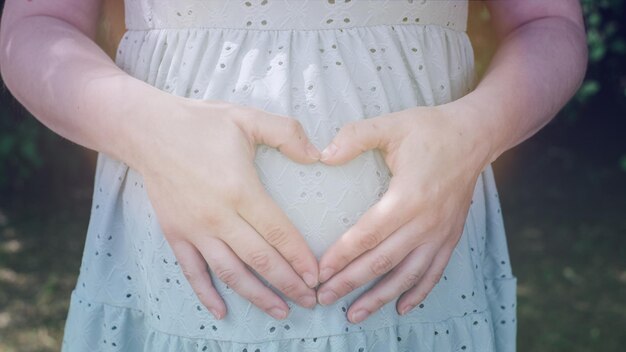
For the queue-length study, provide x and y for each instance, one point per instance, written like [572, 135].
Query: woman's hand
[435, 155]
[197, 165]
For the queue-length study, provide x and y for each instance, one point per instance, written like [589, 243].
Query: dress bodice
[292, 14]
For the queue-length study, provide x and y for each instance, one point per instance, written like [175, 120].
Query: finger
[419, 292]
[370, 265]
[267, 262]
[400, 279]
[379, 221]
[194, 267]
[281, 132]
[232, 271]
[356, 137]
[261, 212]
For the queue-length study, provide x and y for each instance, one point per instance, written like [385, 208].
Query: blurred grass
[41, 244]
[564, 216]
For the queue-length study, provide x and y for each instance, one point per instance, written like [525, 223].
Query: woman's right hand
[198, 170]
[195, 156]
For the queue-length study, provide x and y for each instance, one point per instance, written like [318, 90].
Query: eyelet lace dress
[325, 63]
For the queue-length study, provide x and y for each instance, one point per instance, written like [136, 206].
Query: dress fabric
[324, 63]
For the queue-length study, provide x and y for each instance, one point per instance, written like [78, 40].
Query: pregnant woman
[217, 224]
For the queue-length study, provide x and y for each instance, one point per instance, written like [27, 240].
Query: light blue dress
[324, 63]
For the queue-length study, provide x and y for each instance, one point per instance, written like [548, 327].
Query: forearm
[535, 71]
[69, 84]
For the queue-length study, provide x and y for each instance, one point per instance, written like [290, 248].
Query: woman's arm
[220, 216]
[539, 65]
[53, 67]
[437, 153]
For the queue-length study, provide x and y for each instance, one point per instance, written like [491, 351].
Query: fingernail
[359, 315]
[278, 313]
[327, 297]
[329, 151]
[307, 301]
[312, 151]
[309, 279]
[325, 274]
[406, 309]
[215, 313]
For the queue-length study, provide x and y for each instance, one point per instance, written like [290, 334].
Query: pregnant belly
[322, 201]
[128, 262]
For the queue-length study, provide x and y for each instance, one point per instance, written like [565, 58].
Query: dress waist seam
[391, 25]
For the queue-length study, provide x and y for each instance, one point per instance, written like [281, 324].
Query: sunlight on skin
[384, 206]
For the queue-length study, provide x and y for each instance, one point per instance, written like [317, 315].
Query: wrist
[484, 123]
[142, 111]
[478, 128]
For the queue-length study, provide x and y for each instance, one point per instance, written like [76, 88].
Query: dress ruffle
[126, 329]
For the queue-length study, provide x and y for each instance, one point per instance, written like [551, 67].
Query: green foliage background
[607, 49]
[19, 146]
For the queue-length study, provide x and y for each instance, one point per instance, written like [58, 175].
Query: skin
[407, 236]
[437, 153]
[221, 217]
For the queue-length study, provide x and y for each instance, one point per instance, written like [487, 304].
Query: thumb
[355, 138]
[285, 134]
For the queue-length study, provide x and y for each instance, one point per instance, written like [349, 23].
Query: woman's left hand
[435, 155]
